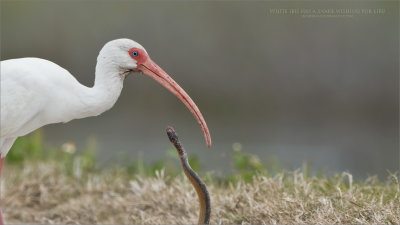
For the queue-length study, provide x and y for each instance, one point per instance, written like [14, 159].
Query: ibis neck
[105, 92]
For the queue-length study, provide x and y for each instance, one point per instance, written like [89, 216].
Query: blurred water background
[286, 81]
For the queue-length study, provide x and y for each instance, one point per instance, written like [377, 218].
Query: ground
[46, 193]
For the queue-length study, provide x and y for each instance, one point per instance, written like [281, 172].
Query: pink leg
[1, 214]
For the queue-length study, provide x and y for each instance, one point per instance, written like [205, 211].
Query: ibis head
[129, 56]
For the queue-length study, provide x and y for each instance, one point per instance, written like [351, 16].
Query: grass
[57, 186]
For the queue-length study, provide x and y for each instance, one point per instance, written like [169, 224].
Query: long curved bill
[152, 70]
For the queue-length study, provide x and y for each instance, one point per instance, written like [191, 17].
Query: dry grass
[43, 193]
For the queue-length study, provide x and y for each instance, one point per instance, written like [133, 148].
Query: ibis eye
[135, 53]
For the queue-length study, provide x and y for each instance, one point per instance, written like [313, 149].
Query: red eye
[134, 53]
[139, 55]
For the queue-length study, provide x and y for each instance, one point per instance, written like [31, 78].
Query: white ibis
[36, 92]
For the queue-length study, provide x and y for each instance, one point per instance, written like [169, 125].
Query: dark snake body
[198, 184]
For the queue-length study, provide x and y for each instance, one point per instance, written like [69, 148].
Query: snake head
[173, 138]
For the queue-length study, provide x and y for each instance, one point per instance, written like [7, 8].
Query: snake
[195, 180]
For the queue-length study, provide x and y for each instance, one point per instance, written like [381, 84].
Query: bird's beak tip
[152, 70]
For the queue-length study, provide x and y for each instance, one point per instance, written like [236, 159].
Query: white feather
[36, 92]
